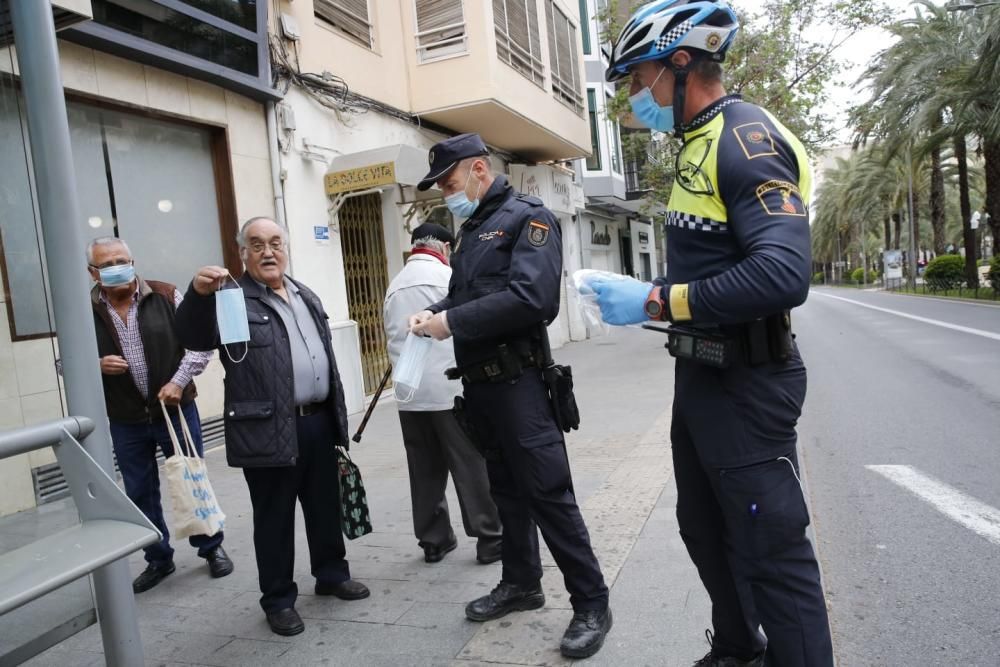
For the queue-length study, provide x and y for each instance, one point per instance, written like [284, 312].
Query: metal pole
[48, 130]
[913, 237]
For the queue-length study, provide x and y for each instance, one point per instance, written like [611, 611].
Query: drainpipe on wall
[274, 157]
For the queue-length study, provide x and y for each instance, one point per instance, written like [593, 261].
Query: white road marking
[978, 517]
[925, 320]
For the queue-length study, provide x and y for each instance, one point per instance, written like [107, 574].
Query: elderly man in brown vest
[142, 363]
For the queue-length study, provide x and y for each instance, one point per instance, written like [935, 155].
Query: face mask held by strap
[231, 317]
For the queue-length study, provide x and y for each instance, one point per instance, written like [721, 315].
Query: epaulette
[528, 199]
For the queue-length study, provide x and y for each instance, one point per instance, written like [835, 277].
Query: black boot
[585, 635]
[716, 659]
[503, 599]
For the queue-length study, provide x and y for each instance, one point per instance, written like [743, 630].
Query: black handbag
[355, 519]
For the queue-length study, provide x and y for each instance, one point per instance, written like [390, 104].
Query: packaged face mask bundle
[410, 368]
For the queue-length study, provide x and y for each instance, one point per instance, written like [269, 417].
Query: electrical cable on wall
[333, 93]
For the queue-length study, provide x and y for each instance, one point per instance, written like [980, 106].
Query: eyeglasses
[258, 247]
[689, 174]
[108, 265]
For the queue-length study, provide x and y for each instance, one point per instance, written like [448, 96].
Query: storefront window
[148, 181]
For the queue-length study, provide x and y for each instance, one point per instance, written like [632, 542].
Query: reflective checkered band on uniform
[673, 34]
[695, 223]
[711, 113]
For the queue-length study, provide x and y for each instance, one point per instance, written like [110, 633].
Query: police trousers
[532, 487]
[741, 510]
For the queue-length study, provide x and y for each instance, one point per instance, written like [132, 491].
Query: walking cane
[371, 406]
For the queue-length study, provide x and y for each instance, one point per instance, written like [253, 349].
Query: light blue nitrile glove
[622, 301]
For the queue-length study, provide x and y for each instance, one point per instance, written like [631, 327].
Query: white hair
[241, 236]
[105, 241]
[430, 242]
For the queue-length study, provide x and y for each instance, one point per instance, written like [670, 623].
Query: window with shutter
[440, 28]
[594, 161]
[563, 58]
[614, 144]
[349, 16]
[518, 38]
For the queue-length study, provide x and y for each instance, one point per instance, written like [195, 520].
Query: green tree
[778, 61]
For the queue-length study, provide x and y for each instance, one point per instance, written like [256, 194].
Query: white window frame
[334, 5]
[615, 161]
[453, 41]
[527, 63]
[566, 90]
[594, 129]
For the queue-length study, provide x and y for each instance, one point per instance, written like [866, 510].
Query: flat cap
[433, 230]
[444, 155]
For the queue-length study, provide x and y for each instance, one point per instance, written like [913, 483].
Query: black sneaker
[503, 599]
[151, 576]
[714, 659]
[585, 635]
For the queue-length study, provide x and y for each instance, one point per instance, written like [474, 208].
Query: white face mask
[460, 204]
[231, 318]
[409, 369]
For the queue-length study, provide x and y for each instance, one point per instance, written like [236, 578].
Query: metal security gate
[367, 280]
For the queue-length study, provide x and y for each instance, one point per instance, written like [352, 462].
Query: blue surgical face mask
[117, 275]
[648, 112]
[231, 317]
[459, 203]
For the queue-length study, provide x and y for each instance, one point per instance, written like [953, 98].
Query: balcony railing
[519, 58]
[441, 42]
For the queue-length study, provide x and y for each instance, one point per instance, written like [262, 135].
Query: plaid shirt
[192, 364]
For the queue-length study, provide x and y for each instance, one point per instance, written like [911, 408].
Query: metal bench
[111, 526]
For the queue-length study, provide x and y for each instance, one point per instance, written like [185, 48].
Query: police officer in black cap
[507, 266]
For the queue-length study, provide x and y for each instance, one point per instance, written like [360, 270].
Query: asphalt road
[911, 566]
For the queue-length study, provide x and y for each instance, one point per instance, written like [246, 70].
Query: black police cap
[434, 231]
[444, 155]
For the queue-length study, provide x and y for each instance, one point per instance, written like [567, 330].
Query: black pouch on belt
[559, 380]
[779, 336]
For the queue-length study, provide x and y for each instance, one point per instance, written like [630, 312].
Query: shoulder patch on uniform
[755, 140]
[529, 199]
[781, 198]
[538, 233]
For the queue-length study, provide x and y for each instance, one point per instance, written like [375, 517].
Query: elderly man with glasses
[284, 412]
[143, 363]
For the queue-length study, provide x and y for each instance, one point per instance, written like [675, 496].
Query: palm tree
[933, 88]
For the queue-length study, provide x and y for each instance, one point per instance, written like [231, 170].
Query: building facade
[618, 226]
[167, 112]
[369, 88]
[188, 117]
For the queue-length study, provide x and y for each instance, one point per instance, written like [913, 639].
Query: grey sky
[858, 52]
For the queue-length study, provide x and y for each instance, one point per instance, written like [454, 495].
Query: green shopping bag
[355, 520]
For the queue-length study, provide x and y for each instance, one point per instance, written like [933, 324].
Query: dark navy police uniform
[739, 252]
[507, 267]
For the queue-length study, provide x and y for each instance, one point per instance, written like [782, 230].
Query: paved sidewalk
[621, 465]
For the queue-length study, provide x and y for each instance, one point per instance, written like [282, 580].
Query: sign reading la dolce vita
[360, 178]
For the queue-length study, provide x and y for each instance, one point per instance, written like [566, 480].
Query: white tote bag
[196, 511]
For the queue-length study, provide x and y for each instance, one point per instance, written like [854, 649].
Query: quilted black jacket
[260, 393]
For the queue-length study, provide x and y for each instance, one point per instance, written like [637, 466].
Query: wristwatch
[655, 308]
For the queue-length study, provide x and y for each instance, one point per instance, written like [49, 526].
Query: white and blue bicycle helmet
[657, 29]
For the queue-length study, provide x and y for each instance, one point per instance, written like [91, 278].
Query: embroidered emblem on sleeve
[755, 140]
[538, 233]
[781, 198]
